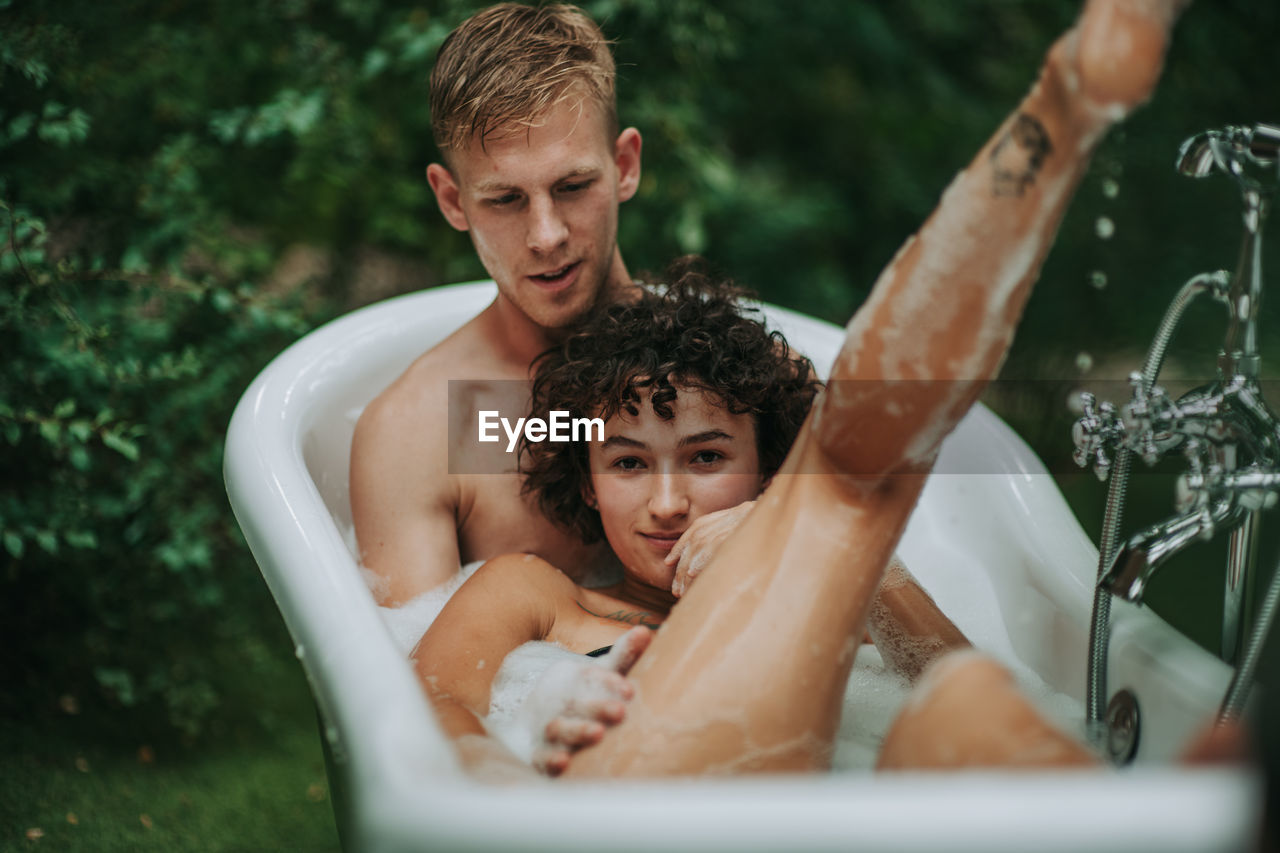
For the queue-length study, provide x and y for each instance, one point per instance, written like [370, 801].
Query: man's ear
[445, 186]
[626, 156]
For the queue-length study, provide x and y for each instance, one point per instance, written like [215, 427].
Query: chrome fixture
[1225, 430]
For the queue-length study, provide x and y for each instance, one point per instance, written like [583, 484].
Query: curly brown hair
[692, 333]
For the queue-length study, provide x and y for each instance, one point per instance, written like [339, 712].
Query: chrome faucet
[1226, 431]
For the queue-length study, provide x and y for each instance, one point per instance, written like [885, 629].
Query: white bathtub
[1007, 527]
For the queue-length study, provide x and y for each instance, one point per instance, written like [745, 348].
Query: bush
[123, 565]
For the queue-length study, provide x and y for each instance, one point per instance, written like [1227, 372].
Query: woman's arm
[509, 601]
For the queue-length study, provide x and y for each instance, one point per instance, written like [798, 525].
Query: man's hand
[574, 704]
[694, 550]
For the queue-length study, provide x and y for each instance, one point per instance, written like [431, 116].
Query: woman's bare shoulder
[523, 575]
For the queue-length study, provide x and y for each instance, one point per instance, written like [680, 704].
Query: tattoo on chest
[626, 617]
[1019, 155]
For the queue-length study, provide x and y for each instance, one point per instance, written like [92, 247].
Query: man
[524, 114]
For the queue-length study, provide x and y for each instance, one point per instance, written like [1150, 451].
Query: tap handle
[1147, 415]
[1094, 433]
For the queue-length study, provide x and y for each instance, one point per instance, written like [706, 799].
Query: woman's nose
[547, 228]
[668, 497]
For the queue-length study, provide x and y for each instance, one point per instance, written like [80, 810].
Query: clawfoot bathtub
[992, 538]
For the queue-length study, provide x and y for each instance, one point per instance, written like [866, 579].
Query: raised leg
[749, 671]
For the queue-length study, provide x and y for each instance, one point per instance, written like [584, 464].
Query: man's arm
[907, 626]
[403, 502]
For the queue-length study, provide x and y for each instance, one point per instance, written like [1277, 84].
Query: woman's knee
[968, 711]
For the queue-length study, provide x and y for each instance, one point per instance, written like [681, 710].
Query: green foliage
[122, 564]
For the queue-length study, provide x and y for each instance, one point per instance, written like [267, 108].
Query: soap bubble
[1110, 187]
[1104, 227]
[1098, 279]
[1084, 362]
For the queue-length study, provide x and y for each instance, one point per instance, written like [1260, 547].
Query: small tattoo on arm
[1019, 155]
[626, 617]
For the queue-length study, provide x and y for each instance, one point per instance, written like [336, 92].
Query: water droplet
[300, 652]
[1084, 362]
[1110, 188]
[1098, 279]
[1075, 403]
[1104, 227]
[331, 735]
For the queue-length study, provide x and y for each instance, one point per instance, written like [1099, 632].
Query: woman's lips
[662, 541]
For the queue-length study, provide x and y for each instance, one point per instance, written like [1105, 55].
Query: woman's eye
[628, 463]
[707, 457]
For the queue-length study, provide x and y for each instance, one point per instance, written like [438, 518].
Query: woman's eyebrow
[705, 436]
[621, 441]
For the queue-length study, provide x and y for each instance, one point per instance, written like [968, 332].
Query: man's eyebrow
[580, 172]
[494, 187]
[500, 186]
[702, 437]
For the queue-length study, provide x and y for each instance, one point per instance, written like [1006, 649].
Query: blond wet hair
[508, 65]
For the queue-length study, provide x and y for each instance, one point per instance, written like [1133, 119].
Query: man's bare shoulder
[415, 406]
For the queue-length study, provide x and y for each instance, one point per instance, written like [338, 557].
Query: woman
[775, 618]
[700, 405]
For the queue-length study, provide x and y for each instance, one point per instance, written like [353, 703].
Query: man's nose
[668, 497]
[547, 228]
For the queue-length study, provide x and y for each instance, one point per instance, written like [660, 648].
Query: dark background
[187, 187]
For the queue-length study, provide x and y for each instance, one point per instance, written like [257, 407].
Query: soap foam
[873, 696]
[411, 620]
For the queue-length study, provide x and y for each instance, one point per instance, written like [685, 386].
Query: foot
[1116, 52]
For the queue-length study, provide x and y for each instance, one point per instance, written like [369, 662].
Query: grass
[67, 783]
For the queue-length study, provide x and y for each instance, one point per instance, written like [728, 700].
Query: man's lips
[557, 277]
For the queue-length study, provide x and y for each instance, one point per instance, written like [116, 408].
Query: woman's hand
[574, 704]
[694, 550]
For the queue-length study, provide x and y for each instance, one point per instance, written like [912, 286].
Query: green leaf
[20, 126]
[134, 260]
[223, 301]
[47, 541]
[118, 681]
[124, 446]
[13, 544]
[81, 539]
[79, 458]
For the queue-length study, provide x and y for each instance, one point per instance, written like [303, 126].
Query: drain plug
[1123, 726]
